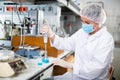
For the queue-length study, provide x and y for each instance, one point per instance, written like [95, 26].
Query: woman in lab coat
[93, 46]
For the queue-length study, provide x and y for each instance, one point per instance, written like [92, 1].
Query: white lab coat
[93, 53]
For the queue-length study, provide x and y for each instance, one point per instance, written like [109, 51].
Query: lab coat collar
[97, 34]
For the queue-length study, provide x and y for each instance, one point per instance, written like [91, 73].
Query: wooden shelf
[36, 41]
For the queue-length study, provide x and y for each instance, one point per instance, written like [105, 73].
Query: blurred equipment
[28, 51]
[2, 31]
[9, 64]
[9, 68]
[36, 17]
[5, 55]
[27, 24]
[8, 29]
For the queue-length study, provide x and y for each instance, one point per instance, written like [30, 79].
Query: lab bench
[35, 71]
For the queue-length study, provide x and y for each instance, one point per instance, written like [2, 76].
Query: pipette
[45, 59]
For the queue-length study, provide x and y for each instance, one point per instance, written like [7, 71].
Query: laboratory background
[26, 54]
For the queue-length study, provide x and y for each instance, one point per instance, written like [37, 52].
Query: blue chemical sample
[39, 63]
[45, 60]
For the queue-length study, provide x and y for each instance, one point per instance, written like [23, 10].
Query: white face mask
[88, 28]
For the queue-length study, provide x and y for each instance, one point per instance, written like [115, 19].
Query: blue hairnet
[94, 12]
